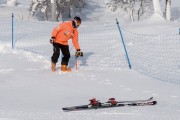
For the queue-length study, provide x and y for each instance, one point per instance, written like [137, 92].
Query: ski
[96, 104]
[113, 99]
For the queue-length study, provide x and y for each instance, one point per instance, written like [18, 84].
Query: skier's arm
[75, 40]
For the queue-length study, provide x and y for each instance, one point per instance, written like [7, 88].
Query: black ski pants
[56, 52]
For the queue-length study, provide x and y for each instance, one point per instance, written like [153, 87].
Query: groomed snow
[30, 91]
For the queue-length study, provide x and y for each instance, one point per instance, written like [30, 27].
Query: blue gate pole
[12, 31]
[123, 43]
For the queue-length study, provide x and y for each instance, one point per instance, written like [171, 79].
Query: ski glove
[52, 40]
[78, 53]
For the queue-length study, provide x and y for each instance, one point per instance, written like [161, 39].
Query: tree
[144, 6]
[63, 8]
[125, 5]
[168, 10]
[42, 6]
[157, 7]
[132, 7]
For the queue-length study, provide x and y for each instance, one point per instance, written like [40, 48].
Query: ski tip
[66, 110]
[150, 98]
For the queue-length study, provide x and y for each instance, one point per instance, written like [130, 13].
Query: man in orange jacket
[60, 36]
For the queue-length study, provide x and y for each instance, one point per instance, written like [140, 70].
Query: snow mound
[11, 3]
[155, 18]
[4, 48]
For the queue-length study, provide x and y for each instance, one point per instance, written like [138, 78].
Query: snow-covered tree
[132, 7]
[63, 7]
[168, 10]
[157, 7]
[42, 6]
[126, 5]
[144, 6]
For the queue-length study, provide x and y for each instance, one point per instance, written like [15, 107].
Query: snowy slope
[30, 91]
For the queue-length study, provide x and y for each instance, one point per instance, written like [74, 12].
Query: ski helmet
[76, 22]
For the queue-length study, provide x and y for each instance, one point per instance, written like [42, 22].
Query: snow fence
[5, 28]
[157, 56]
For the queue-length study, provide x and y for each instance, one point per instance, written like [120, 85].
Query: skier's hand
[78, 53]
[52, 40]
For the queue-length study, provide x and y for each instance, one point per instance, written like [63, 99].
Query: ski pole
[76, 63]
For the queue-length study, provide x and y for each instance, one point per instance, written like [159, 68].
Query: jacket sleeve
[75, 40]
[56, 30]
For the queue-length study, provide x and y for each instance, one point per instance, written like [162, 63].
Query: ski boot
[53, 67]
[64, 68]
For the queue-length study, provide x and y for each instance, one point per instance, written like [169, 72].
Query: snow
[156, 18]
[30, 91]
[11, 2]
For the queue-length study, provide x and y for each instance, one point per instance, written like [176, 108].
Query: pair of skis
[96, 104]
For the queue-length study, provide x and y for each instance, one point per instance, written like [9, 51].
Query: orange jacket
[65, 31]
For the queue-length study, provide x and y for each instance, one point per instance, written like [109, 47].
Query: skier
[60, 36]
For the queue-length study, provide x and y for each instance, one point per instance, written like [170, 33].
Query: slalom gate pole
[123, 43]
[12, 31]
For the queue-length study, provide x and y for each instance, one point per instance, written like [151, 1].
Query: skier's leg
[55, 56]
[65, 58]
